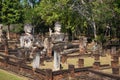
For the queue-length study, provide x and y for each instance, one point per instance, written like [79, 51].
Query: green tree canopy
[94, 12]
[58, 10]
[75, 13]
[0, 11]
[12, 12]
[28, 7]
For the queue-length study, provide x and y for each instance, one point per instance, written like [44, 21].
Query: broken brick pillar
[96, 57]
[71, 70]
[80, 63]
[96, 64]
[115, 61]
[64, 58]
[115, 67]
[115, 58]
[49, 75]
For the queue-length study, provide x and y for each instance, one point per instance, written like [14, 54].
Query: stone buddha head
[28, 28]
[57, 27]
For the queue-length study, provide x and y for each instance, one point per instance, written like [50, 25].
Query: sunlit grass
[107, 71]
[4, 75]
[88, 61]
[105, 60]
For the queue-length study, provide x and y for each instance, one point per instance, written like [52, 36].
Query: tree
[117, 6]
[77, 14]
[93, 11]
[116, 19]
[28, 7]
[58, 10]
[0, 11]
[34, 2]
[11, 13]
[30, 3]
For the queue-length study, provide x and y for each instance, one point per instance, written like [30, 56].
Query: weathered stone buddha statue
[27, 39]
[58, 44]
[31, 47]
[3, 40]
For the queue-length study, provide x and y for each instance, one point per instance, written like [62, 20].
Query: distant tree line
[98, 19]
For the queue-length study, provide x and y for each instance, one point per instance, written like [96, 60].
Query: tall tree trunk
[94, 26]
[8, 31]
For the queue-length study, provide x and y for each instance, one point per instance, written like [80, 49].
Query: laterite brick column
[115, 61]
[64, 58]
[80, 62]
[49, 75]
[71, 69]
[96, 64]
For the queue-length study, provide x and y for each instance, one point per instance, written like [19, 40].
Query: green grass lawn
[4, 75]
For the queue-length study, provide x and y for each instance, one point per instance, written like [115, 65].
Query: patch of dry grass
[88, 61]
